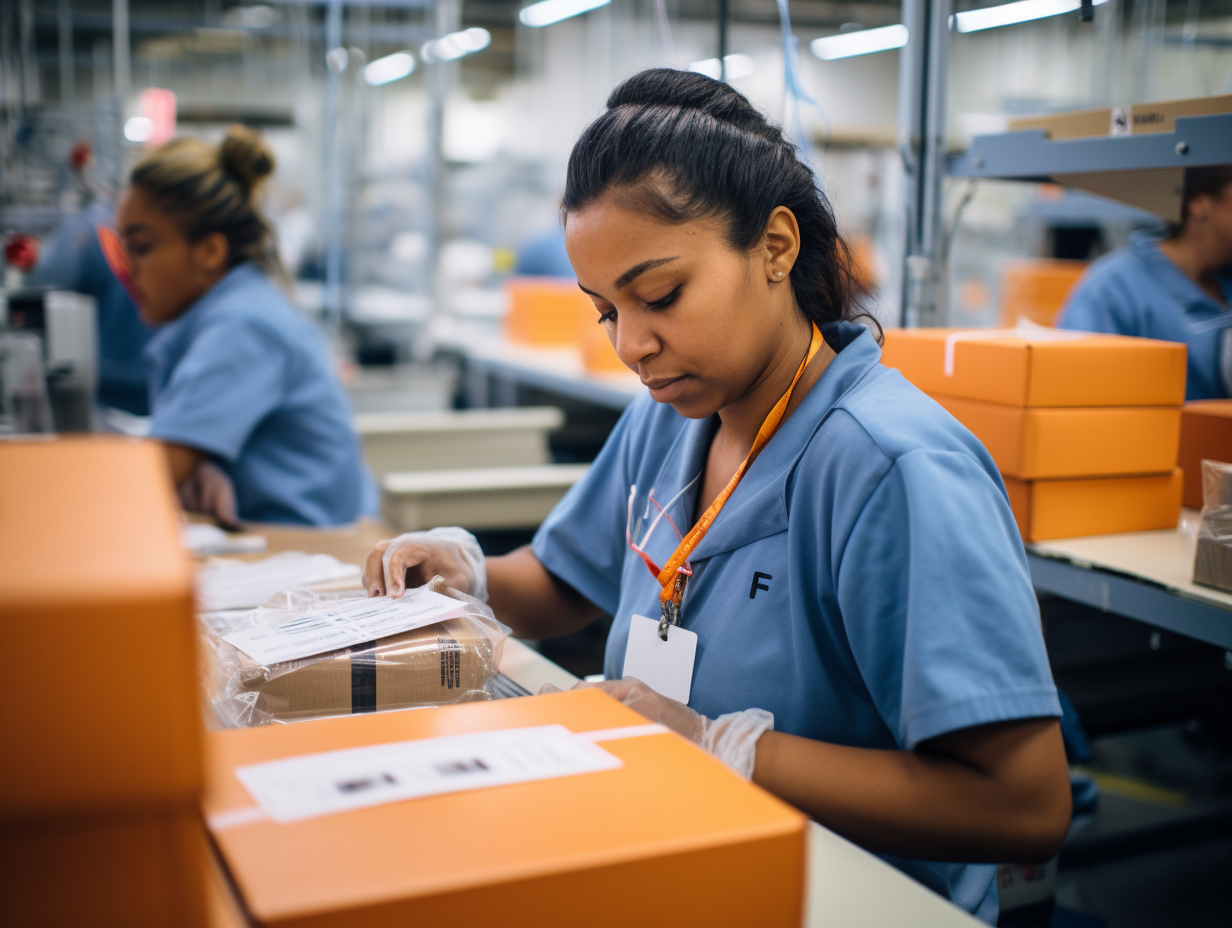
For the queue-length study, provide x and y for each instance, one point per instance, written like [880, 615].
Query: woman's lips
[666, 389]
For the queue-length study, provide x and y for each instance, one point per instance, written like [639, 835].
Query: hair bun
[692, 91]
[246, 156]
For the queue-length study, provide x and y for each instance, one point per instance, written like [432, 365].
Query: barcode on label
[451, 662]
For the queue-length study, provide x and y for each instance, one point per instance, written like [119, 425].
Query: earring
[778, 274]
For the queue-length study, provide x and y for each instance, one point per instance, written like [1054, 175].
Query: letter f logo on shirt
[758, 577]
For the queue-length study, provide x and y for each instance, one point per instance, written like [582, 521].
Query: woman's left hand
[732, 738]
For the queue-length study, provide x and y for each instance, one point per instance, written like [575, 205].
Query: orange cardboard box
[1206, 434]
[671, 837]
[142, 871]
[1043, 370]
[1046, 509]
[598, 355]
[101, 709]
[1035, 290]
[1138, 119]
[1034, 443]
[546, 310]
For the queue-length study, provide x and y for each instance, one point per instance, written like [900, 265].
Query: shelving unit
[1030, 155]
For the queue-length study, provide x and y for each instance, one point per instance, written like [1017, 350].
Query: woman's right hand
[413, 559]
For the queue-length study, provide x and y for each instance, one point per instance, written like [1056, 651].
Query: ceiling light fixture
[547, 12]
[859, 42]
[1007, 14]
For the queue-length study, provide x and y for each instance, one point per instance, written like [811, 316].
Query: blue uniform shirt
[865, 581]
[74, 261]
[1137, 290]
[242, 377]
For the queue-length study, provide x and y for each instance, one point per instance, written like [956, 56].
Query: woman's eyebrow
[628, 276]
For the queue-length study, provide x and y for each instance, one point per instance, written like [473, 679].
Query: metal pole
[922, 144]
[121, 60]
[68, 83]
[724, 17]
[332, 156]
[440, 79]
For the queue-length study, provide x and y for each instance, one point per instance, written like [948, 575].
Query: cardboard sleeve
[1098, 370]
[671, 837]
[100, 685]
[1206, 434]
[1069, 508]
[1034, 443]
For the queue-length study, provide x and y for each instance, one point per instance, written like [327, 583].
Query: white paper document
[203, 539]
[247, 584]
[341, 623]
[337, 781]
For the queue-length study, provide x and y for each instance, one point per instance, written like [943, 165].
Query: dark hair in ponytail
[683, 146]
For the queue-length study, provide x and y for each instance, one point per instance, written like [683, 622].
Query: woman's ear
[781, 244]
[211, 253]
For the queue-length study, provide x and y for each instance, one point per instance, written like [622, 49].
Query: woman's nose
[635, 340]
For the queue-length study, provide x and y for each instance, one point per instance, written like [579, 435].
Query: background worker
[241, 386]
[867, 642]
[1177, 288]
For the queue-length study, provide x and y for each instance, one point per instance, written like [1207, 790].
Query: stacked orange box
[101, 719]
[1206, 434]
[546, 311]
[1084, 428]
[663, 834]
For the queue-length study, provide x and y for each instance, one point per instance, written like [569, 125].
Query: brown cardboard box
[1138, 119]
[100, 682]
[1035, 443]
[1040, 370]
[1047, 509]
[427, 666]
[671, 837]
[1206, 434]
[143, 871]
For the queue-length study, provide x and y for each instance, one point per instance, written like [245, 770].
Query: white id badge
[665, 666]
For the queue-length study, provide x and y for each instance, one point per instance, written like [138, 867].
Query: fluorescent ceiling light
[138, 129]
[547, 12]
[456, 44]
[736, 66]
[860, 42]
[390, 68]
[1007, 14]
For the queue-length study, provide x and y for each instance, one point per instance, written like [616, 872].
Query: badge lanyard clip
[673, 575]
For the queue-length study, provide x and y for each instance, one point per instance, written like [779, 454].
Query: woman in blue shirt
[867, 643]
[240, 384]
[1177, 288]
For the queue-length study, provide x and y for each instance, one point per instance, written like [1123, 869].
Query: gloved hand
[732, 738]
[208, 489]
[453, 553]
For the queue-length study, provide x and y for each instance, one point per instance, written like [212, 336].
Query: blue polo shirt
[865, 581]
[241, 376]
[1137, 290]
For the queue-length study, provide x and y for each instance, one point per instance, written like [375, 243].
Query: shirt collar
[162, 344]
[758, 507]
[1186, 293]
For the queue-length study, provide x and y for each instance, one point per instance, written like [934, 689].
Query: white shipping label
[665, 666]
[342, 623]
[223, 584]
[297, 788]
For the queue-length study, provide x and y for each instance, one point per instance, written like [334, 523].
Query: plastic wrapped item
[455, 660]
[1213, 552]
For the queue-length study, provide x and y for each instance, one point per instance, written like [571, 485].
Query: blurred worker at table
[242, 393]
[1177, 288]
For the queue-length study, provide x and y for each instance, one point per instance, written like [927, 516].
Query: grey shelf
[1030, 155]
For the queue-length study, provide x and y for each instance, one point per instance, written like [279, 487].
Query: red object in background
[116, 258]
[21, 250]
[80, 156]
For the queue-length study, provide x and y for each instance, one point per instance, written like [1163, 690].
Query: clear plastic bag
[456, 660]
[1213, 551]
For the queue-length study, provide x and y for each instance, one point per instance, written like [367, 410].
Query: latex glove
[208, 490]
[732, 738]
[452, 553]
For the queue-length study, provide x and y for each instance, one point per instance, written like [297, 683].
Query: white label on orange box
[312, 785]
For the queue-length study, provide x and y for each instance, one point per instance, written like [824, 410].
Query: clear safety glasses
[650, 527]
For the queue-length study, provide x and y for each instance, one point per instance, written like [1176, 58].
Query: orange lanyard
[672, 576]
